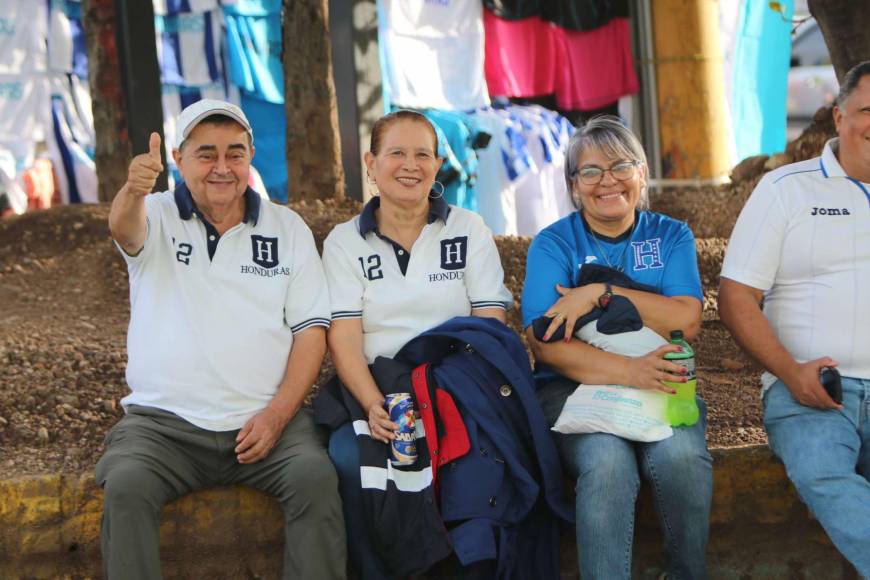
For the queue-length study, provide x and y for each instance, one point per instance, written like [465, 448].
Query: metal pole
[649, 92]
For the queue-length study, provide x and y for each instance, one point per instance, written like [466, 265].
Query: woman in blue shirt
[606, 172]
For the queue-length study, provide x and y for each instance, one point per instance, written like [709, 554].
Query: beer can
[400, 406]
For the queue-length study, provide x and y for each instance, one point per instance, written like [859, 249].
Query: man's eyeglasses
[592, 174]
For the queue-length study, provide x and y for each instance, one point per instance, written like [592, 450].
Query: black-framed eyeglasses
[592, 174]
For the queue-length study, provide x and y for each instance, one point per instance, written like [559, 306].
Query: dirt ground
[64, 311]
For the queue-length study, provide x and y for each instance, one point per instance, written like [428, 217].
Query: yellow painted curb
[50, 528]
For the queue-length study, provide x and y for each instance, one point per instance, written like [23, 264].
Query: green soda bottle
[682, 407]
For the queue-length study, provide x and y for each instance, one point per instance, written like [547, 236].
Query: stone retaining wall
[49, 528]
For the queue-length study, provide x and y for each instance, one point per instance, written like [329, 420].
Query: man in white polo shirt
[802, 247]
[227, 333]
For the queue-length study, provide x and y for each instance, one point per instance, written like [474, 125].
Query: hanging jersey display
[23, 27]
[76, 173]
[534, 164]
[461, 135]
[594, 68]
[254, 52]
[432, 54]
[23, 106]
[536, 190]
[188, 48]
[534, 202]
[67, 52]
[44, 94]
[78, 109]
[520, 56]
[496, 201]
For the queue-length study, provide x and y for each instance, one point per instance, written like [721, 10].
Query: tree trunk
[845, 30]
[313, 146]
[113, 148]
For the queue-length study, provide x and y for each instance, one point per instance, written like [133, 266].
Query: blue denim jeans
[608, 471]
[827, 457]
[344, 453]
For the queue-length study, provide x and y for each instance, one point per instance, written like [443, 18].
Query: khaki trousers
[154, 456]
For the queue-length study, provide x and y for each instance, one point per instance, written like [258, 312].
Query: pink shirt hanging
[520, 56]
[595, 68]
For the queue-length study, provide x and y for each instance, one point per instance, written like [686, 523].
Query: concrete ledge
[759, 528]
[50, 528]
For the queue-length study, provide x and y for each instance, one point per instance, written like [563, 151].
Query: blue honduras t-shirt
[660, 252]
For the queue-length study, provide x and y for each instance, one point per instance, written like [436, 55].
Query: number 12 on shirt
[373, 271]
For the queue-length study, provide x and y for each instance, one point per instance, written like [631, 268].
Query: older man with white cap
[228, 313]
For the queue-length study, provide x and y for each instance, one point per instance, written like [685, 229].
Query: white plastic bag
[634, 414]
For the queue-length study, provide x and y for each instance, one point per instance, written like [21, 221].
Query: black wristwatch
[605, 298]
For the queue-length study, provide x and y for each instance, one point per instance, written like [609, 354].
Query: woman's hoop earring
[439, 194]
[372, 185]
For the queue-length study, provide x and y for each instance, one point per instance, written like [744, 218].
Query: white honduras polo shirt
[804, 238]
[212, 317]
[453, 267]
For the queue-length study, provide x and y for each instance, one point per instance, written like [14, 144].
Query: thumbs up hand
[145, 168]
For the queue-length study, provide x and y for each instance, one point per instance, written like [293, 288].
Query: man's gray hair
[851, 80]
[608, 135]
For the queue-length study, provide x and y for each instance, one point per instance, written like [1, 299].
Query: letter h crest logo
[453, 253]
[265, 251]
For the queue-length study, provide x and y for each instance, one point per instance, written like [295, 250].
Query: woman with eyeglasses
[607, 174]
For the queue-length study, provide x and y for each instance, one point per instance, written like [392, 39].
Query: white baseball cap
[193, 114]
